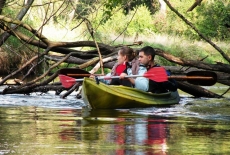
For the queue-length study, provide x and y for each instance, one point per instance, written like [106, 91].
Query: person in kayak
[127, 58]
[146, 59]
[124, 57]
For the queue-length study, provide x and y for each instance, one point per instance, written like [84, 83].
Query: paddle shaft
[170, 77]
[133, 76]
[190, 77]
[84, 75]
[158, 74]
[110, 77]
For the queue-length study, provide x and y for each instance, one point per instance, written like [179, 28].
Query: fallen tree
[96, 53]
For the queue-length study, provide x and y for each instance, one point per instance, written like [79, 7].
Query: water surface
[46, 124]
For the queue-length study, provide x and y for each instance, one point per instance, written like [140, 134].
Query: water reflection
[25, 130]
[148, 134]
[46, 124]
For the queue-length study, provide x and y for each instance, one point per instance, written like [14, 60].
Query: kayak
[102, 96]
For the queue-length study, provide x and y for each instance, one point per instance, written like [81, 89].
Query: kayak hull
[102, 96]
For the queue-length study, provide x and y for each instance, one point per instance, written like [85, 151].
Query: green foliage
[132, 18]
[137, 21]
[142, 22]
[9, 12]
[214, 17]
[115, 16]
[84, 7]
[210, 18]
[128, 6]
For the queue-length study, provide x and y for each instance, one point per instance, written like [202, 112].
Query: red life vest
[120, 68]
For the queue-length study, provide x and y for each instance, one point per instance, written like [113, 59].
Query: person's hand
[92, 76]
[122, 75]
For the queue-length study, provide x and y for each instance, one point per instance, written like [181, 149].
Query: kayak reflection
[121, 130]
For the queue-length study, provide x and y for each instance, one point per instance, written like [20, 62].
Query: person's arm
[132, 80]
[140, 83]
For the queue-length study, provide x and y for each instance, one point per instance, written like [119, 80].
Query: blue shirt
[141, 83]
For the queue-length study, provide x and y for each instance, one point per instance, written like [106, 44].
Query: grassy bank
[181, 47]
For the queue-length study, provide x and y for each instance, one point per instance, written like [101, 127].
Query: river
[46, 124]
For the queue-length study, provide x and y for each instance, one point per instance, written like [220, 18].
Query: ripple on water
[204, 108]
[47, 100]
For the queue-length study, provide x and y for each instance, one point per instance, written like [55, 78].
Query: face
[121, 58]
[144, 59]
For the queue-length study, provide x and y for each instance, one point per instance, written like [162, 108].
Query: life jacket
[134, 64]
[162, 87]
[120, 68]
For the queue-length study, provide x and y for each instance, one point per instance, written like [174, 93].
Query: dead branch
[97, 66]
[75, 86]
[196, 91]
[195, 4]
[198, 32]
[19, 70]
[20, 15]
[91, 31]
[192, 63]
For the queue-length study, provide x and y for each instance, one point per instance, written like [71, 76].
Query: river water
[46, 124]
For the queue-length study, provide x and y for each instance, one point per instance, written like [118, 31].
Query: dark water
[47, 124]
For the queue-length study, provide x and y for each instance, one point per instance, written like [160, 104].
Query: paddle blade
[202, 82]
[157, 74]
[66, 81]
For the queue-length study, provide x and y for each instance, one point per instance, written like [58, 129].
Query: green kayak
[102, 96]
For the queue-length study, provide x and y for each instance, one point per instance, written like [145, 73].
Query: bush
[140, 23]
[209, 18]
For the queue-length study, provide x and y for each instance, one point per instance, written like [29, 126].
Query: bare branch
[197, 31]
[192, 63]
[20, 15]
[195, 4]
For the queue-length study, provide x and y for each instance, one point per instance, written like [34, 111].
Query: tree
[2, 4]
[91, 50]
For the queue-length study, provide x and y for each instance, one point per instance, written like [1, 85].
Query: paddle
[157, 74]
[202, 78]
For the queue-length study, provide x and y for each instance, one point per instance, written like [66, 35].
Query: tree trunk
[20, 15]
[2, 4]
[196, 91]
[163, 10]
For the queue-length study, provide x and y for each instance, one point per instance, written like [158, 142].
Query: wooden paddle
[157, 74]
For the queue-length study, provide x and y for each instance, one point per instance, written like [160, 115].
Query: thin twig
[75, 86]
[91, 31]
[224, 92]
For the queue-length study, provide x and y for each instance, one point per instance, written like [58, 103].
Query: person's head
[125, 54]
[146, 55]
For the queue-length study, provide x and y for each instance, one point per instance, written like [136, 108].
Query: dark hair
[148, 50]
[129, 52]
